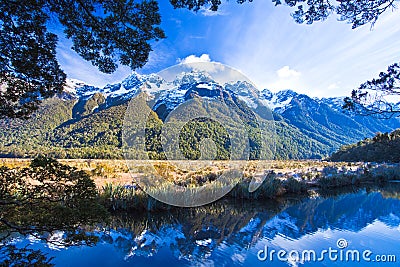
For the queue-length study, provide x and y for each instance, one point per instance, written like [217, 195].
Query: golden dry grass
[117, 171]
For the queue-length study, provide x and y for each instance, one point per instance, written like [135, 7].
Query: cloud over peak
[287, 72]
[194, 59]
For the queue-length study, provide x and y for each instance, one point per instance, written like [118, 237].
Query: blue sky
[263, 42]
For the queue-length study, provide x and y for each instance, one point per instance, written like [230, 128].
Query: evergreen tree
[102, 32]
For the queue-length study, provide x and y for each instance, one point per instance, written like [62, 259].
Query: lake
[354, 227]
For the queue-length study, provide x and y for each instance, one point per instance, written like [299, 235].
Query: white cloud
[219, 72]
[287, 78]
[333, 86]
[196, 63]
[324, 53]
[287, 72]
[205, 11]
[195, 59]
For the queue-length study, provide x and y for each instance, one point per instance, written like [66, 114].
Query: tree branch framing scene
[199, 133]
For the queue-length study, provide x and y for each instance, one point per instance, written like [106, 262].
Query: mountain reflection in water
[232, 232]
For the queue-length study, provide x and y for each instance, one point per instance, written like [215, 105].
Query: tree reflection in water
[194, 233]
[48, 201]
[71, 216]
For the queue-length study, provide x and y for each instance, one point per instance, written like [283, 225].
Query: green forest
[67, 128]
[383, 147]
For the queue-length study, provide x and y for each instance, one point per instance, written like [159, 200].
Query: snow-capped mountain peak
[192, 77]
[266, 94]
[74, 86]
[279, 101]
[173, 93]
[336, 103]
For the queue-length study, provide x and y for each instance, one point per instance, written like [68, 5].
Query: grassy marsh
[119, 187]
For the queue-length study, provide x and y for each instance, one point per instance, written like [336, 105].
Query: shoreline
[118, 189]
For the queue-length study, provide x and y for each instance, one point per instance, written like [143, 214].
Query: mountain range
[85, 121]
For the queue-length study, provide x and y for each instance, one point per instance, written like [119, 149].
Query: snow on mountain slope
[192, 77]
[320, 121]
[172, 93]
[336, 103]
[172, 98]
[78, 89]
[128, 88]
[246, 92]
[280, 101]
[71, 85]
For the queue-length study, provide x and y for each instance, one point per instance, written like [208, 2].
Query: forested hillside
[59, 130]
[87, 122]
[383, 147]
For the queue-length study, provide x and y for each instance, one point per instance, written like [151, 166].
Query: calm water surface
[243, 233]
